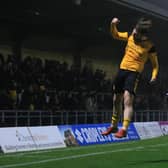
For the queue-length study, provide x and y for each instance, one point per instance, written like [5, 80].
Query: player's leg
[117, 109]
[130, 87]
[128, 112]
[128, 109]
[117, 102]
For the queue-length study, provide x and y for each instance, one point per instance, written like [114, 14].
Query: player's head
[143, 26]
[142, 30]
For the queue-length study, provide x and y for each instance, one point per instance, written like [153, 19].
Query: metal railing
[12, 118]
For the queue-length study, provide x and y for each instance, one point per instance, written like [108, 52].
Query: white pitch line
[68, 157]
[80, 156]
[62, 149]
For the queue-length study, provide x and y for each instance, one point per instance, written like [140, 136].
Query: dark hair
[144, 25]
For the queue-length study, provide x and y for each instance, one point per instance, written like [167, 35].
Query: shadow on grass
[149, 162]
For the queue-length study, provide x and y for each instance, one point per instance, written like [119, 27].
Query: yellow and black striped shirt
[136, 55]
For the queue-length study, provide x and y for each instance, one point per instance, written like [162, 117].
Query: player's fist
[115, 20]
[152, 81]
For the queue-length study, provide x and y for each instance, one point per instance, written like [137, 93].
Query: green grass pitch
[151, 153]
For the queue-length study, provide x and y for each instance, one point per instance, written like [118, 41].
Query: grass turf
[151, 153]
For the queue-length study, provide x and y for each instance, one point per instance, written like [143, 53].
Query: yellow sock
[126, 124]
[114, 120]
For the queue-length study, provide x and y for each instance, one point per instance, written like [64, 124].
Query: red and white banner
[148, 130]
[164, 127]
[30, 138]
[46, 137]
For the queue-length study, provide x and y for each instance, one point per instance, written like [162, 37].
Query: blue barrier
[89, 134]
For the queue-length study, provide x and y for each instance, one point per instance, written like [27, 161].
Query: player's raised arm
[114, 31]
[154, 60]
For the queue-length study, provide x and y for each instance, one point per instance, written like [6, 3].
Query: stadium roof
[85, 19]
[155, 8]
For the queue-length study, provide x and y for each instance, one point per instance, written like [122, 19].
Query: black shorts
[126, 80]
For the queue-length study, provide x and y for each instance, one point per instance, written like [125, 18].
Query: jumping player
[138, 50]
